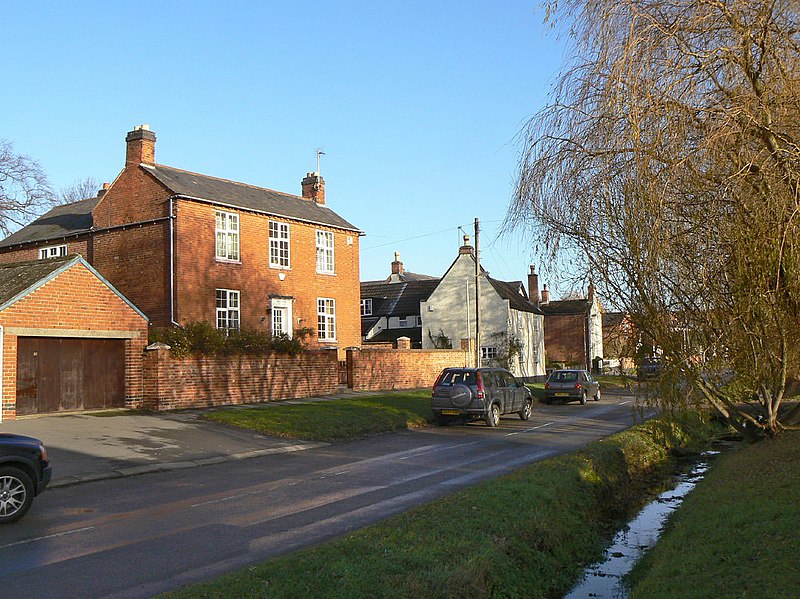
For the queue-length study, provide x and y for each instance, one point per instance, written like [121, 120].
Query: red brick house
[69, 340]
[184, 247]
[573, 328]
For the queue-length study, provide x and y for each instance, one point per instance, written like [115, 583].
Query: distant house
[184, 246]
[620, 342]
[512, 328]
[390, 307]
[573, 329]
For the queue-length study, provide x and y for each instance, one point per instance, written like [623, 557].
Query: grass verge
[336, 420]
[527, 534]
[735, 535]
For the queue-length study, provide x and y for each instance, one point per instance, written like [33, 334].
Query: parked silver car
[571, 385]
[479, 393]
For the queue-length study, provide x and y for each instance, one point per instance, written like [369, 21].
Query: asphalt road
[138, 536]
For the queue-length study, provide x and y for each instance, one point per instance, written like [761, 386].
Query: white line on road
[527, 430]
[60, 534]
[622, 403]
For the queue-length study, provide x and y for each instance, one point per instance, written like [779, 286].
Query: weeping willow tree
[667, 160]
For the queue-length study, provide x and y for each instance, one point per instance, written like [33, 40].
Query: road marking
[527, 430]
[53, 536]
[622, 403]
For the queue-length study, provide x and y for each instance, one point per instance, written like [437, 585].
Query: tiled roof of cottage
[20, 276]
[61, 221]
[397, 299]
[514, 292]
[247, 197]
[575, 306]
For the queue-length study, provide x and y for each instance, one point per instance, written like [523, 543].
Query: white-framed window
[488, 353]
[402, 322]
[227, 235]
[281, 317]
[366, 306]
[278, 244]
[53, 251]
[326, 318]
[228, 309]
[325, 262]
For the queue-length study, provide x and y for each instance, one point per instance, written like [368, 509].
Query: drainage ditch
[606, 578]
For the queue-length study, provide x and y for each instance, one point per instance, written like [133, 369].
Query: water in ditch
[605, 579]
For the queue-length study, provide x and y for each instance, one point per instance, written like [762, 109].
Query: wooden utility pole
[477, 293]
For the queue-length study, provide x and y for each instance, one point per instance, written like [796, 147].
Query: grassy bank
[527, 534]
[736, 534]
[338, 420]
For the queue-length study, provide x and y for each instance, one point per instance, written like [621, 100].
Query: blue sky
[416, 105]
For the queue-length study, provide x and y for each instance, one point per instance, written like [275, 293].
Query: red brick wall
[134, 197]
[564, 338]
[78, 300]
[136, 261]
[199, 274]
[206, 381]
[386, 369]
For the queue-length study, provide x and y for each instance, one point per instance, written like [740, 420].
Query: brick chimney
[545, 296]
[101, 192]
[466, 248]
[533, 286]
[314, 187]
[141, 146]
[397, 266]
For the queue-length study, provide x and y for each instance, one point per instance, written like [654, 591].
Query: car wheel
[460, 396]
[16, 494]
[525, 413]
[583, 398]
[597, 395]
[493, 415]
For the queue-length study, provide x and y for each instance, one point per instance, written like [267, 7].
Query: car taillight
[578, 386]
[436, 382]
[547, 385]
[481, 394]
[44, 452]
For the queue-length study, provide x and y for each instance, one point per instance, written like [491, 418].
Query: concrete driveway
[93, 446]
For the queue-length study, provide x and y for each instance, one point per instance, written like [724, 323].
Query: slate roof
[397, 299]
[612, 319]
[247, 197]
[18, 277]
[514, 292]
[411, 276]
[577, 306]
[392, 335]
[61, 221]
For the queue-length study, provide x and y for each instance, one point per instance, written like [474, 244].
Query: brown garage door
[55, 374]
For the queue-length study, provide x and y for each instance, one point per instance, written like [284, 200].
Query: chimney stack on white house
[533, 286]
[466, 248]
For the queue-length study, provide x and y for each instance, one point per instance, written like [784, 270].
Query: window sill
[227, 261]
[329, 274]
[278, 267]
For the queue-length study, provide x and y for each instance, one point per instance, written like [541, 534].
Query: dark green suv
[479, 393]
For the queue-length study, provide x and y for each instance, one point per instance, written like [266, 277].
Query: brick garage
[70, 341]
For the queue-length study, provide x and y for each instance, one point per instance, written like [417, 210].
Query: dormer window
[366, 307]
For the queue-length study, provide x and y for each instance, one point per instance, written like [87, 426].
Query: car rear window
[564, 377]
[458, 378]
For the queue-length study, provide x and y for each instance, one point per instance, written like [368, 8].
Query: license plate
[451, 412]
[562, 394]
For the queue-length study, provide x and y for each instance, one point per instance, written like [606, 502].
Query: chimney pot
[545, 296]
[397, 266]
